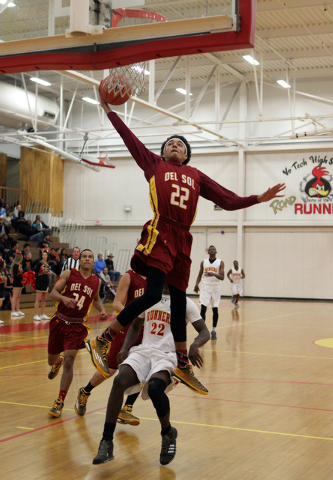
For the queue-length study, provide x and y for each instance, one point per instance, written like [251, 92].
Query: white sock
[214, 329]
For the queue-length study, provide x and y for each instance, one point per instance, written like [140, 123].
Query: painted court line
[25, 428]
[263, 319]
[269, 354]
[223, 427]
[30, 363]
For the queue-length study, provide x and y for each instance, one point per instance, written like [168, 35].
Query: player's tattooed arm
[202, 338]
[131, 337]
[196, 288]
[228, 275]
[59, 287]
[99, 306]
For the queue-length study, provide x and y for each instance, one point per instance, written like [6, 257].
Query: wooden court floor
[268, 415]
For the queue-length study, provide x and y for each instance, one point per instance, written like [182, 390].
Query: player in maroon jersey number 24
[75, 293]
[163, 253]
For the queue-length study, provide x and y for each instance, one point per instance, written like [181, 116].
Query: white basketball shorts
[210, 295]
[236, 289]
[146, 361]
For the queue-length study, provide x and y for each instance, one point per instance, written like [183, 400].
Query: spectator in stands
[32, 234]
[99, 263]
[45, 243]
[105, 276]
[11, 253]
[4, 228]
[73, 261]
[42, 271]
[2, 209]
[3, 282]
[17, 209]
[5, 242]
[27, 261]
[16, 272]
[42, 227]
[55, 263]
[63, 255]
[7, 218]
[114, 276]
[26, 248]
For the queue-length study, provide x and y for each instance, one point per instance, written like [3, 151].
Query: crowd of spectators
[12, 219]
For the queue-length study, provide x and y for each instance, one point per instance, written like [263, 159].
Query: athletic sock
[165, 431]
[131, 399]
[62, 395]
[109, 334]
[214, 329]
[89, 387]
[182, 358]
[108, 432]
[59, 361]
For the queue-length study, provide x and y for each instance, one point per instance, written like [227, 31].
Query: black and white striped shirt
[70, 263]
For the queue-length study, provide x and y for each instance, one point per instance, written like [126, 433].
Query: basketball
[116, 94]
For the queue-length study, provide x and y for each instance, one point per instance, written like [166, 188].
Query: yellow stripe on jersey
[152, 232]
[86, 317]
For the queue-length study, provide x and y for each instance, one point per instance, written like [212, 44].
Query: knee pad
[160, 400]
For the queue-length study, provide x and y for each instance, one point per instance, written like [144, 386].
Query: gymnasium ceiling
[294, 39]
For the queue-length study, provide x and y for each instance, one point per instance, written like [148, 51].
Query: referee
[73, 261]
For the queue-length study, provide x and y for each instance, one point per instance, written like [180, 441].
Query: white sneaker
[1, 322]
[37, 317]
[14, 314]
[44, 317]
[21, 314]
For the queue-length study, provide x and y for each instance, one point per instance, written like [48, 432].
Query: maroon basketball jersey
[137, 287]
[83, 290]
[174, 192]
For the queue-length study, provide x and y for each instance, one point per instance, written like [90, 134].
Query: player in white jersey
[236, 275]
[149, 366]
[212, 274]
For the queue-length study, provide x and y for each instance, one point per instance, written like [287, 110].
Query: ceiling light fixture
[283, 84]
[251, 60]
[139, 69]
[181, 90]
[90, 100]
[39, 80]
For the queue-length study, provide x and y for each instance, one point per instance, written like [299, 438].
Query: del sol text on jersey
[77, 287]
[173, 176]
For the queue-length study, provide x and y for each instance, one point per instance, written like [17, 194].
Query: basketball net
[128, 79]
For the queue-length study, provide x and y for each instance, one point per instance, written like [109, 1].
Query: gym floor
[268, 414]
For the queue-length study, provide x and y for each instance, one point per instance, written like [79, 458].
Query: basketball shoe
[126, 417]
[98, 348]
[213, 335]
[186, 376]
[56, 410]
[54, 370]
[168, 450]
[105, 452]
[81, 402]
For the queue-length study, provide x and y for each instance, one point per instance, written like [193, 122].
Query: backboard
[56, 35]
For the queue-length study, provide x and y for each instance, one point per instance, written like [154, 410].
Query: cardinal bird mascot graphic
[316, 185]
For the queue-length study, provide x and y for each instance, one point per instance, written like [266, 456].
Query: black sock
[165, 431]
[89, 387]
[131, 398]
[108, 432]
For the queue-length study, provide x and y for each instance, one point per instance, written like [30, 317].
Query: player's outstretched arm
[131, 337]
[146, 160]
[272, 193]
[202, 338]
[99, 305]
[196, 287]
[59, 287]
[120, 298]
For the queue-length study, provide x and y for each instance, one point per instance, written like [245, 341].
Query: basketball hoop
[128, 79]
[103, 159]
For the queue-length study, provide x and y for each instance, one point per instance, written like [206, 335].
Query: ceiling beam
[271, 5]
[183, 121]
